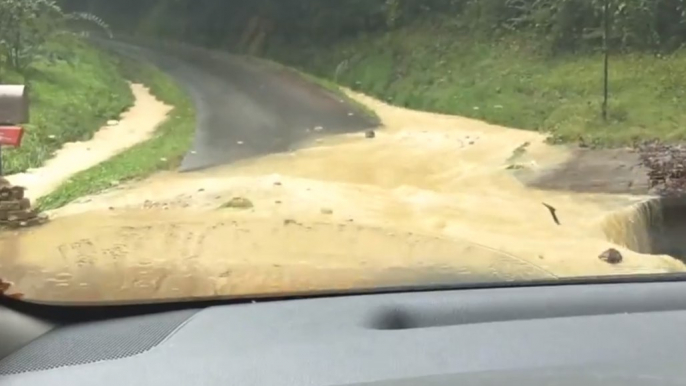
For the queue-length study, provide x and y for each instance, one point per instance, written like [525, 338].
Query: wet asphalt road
[246, 107]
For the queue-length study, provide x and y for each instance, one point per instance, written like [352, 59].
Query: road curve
[246, 107]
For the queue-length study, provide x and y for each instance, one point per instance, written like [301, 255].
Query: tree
[26, 26]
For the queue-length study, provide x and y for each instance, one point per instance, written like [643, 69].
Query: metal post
[1, 168]
[606, 49]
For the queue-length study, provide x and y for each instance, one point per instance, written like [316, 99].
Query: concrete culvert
[656, 227]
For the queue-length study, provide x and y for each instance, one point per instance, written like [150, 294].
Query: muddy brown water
[431, 198]
[125, 256]
[656, 227]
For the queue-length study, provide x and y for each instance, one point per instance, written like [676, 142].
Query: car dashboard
[600, 334]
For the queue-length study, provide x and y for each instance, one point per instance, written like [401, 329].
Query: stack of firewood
[15, 209]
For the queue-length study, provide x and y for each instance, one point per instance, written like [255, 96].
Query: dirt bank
[134, 126]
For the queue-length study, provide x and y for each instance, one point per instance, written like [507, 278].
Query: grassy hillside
[74, 90]
[507, 82]
[164, 151]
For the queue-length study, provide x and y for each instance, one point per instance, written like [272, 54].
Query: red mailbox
[11, 135]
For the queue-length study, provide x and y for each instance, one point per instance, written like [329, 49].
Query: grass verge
[507, 82]
[325, 84]
[73, 91]
[162, 152]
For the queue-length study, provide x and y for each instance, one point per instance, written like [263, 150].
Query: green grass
[508, 83]
[163, 152]
[73, 92]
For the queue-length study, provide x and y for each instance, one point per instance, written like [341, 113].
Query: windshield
[172, 150]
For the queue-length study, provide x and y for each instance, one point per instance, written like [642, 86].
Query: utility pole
[606, 53]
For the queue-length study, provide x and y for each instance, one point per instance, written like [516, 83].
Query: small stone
[611, 256]
[327, 211]
[370, 134]
[277, 183]
[239, 203]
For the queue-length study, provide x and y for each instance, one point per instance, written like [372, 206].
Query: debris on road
[4, 286]
[289, 221]
[667, 167]
[370, 134]
[553, 213]
[239, 203]
[327, 211]
[611, 256]
[15, 209]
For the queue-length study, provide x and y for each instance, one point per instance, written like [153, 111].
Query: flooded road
[431, 198]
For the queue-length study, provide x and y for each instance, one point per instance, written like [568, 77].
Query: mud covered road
[247, 108]
[431, 199]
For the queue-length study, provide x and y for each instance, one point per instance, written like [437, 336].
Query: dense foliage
[559, 25]
[530, 64]
[26, 26]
